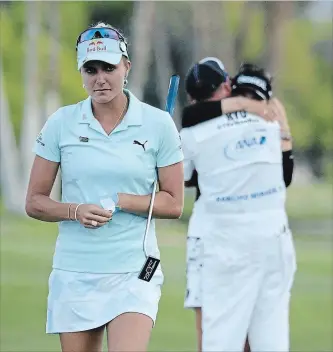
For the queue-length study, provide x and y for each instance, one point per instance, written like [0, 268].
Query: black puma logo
[142, 144]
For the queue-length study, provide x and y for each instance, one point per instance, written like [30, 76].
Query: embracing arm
[286, 141]
[204, 111]
[281, 117]
[240, 103]
[169, 200]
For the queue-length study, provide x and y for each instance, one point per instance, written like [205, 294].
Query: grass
[26, 253]
[310, 202]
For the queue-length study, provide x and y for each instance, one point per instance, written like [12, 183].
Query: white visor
[214, 59]
[101, 49]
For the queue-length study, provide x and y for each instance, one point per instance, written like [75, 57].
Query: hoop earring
[125, 82]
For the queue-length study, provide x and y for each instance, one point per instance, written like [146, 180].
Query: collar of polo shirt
[133, 117]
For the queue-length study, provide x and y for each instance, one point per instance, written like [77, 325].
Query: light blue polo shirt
[95, 165]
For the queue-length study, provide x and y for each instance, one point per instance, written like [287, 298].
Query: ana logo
[243, 148]
[251, 142]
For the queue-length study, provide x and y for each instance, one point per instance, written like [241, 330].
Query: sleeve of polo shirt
[170, 148]
[47, 142]
[188, 153]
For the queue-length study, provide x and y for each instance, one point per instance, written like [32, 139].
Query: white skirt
[82, 301]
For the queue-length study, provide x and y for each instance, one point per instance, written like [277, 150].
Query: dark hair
[251, 80]
[204, 78]
[250, 67]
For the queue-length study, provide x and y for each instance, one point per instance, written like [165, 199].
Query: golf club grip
[169, 107]
[172, 94]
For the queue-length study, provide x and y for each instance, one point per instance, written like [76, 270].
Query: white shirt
[239, 163]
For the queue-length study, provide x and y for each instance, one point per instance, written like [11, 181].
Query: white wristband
[76, 211]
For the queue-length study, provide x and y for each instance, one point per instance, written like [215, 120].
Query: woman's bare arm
[281, 117]
[40, 206]
[169, 200]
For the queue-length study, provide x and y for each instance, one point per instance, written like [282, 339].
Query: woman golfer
[110, 148]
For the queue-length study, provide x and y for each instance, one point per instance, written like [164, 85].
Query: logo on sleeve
[40, 139]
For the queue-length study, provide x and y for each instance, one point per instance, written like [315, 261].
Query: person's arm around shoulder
[44, 170]
[204, 111]
[281, 117]
[286, 141]
[169, 200]
[255, 107]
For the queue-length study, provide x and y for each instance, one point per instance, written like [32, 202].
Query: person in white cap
[209, 89]
[110, 148]
[246, 259]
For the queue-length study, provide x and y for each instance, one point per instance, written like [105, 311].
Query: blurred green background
[38, 74]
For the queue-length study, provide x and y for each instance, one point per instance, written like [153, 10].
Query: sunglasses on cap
[100, 33]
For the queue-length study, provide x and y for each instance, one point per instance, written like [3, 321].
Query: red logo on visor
[96, 46]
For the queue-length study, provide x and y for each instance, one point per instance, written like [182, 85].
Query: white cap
[213, 59]
[101, 49]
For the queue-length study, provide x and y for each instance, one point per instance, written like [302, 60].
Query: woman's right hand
[281, 115]
[92, 216]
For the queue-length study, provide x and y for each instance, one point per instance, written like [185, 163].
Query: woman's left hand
[281, 117]
[280, 114]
